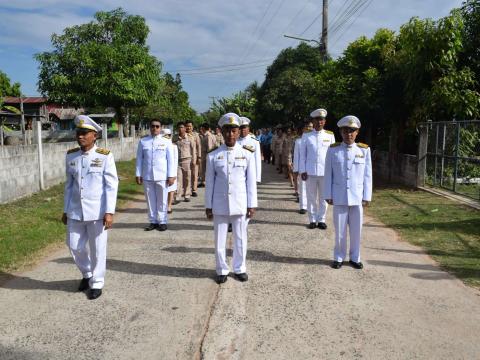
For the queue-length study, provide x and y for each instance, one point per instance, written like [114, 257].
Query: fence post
[132, 131]
[422, 155]
[38, 126]
[105, 135]
[457, 143]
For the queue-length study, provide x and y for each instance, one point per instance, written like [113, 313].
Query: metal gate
[452, 156]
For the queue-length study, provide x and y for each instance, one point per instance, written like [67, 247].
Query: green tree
[105, 62]
[7, 88]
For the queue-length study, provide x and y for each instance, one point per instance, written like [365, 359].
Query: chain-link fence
[453, 156]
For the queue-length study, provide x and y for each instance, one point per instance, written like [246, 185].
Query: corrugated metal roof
[26, 100]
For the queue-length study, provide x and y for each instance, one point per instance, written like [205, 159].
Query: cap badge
[81, 122]
[231, 120]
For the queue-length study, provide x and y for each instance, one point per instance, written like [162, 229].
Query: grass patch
[31, 224]
[448, 231]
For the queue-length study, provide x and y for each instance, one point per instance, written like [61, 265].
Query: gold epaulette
[362, 145]
[335, 144]
[214, 148]
[329, 132]
[249, 148]
[253, 136]
[103, 151]
[73, 150]
[190, 134]
[166, 136]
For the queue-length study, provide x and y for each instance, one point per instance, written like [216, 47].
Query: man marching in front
[230, 197]
[313, 149]
[156, 170]
[89, 205]
[348, 187]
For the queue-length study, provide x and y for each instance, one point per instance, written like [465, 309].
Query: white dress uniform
[155, 163]
[167, 134]
[348, 182]
[90, 193]
[230, 188]
[302, 185]
[313, 149]
[251, 141]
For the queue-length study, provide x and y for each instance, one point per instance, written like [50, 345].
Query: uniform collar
[348, 146]
[92, 150]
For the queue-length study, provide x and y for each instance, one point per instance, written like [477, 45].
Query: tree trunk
[123, 118]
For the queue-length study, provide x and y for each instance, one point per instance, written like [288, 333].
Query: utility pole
[324, 39]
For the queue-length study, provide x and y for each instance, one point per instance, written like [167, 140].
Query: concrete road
[160, 300]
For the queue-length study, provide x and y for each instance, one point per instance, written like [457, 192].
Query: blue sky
[203, 35]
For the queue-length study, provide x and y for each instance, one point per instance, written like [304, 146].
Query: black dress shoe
[356, 265]
[220, 279]
[337, 264]
[322, 225]
[312, 225]
[241, 277]
[229, 227]
[94, 294]
[169, 211]
[151, 227]
[302, 211]
[201, 185]
[162, 227]
[194, 194]
[187, 200]
[84, 284]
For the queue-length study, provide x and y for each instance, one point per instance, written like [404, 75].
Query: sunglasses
[154, 126]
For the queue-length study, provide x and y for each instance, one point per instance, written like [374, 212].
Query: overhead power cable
[217, 66]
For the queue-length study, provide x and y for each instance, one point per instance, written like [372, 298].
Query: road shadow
[152, 269]
[254, 255]
[171, 226]
[15, 282]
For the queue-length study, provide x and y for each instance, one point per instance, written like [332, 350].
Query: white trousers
[239, 231]
[302, 193]
[317, 206]
[352, 217]
[87, 241]
[156, 193]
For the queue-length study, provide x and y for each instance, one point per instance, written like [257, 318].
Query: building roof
[26, 100]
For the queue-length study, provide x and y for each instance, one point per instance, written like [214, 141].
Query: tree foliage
[7, 88]
[105, 62]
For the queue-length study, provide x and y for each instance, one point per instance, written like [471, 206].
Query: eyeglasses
[155, 126]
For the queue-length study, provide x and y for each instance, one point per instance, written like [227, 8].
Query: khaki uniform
[287, 149]
[277, 147]
[186, 152]
[197, 156]
[209, 141]
[219, 139]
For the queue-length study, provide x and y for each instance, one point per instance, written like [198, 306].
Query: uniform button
[82, 177]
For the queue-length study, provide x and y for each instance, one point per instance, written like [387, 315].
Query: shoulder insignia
[335, 144]
[214, 148]
[190, 134]
[73, 150]
[329, 132]
[362, 145]
[102, 151]
[166, 137]
[249, 148]
[253, 137]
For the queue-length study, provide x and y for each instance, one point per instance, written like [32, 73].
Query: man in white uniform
[156, 170]
[313, 150]
[348, 187]
[230, 197]
[167, 134]
[301, 184]
[249, 140]
[89, 205]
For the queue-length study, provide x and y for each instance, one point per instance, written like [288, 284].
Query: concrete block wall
[395, 168]
[19, 165]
